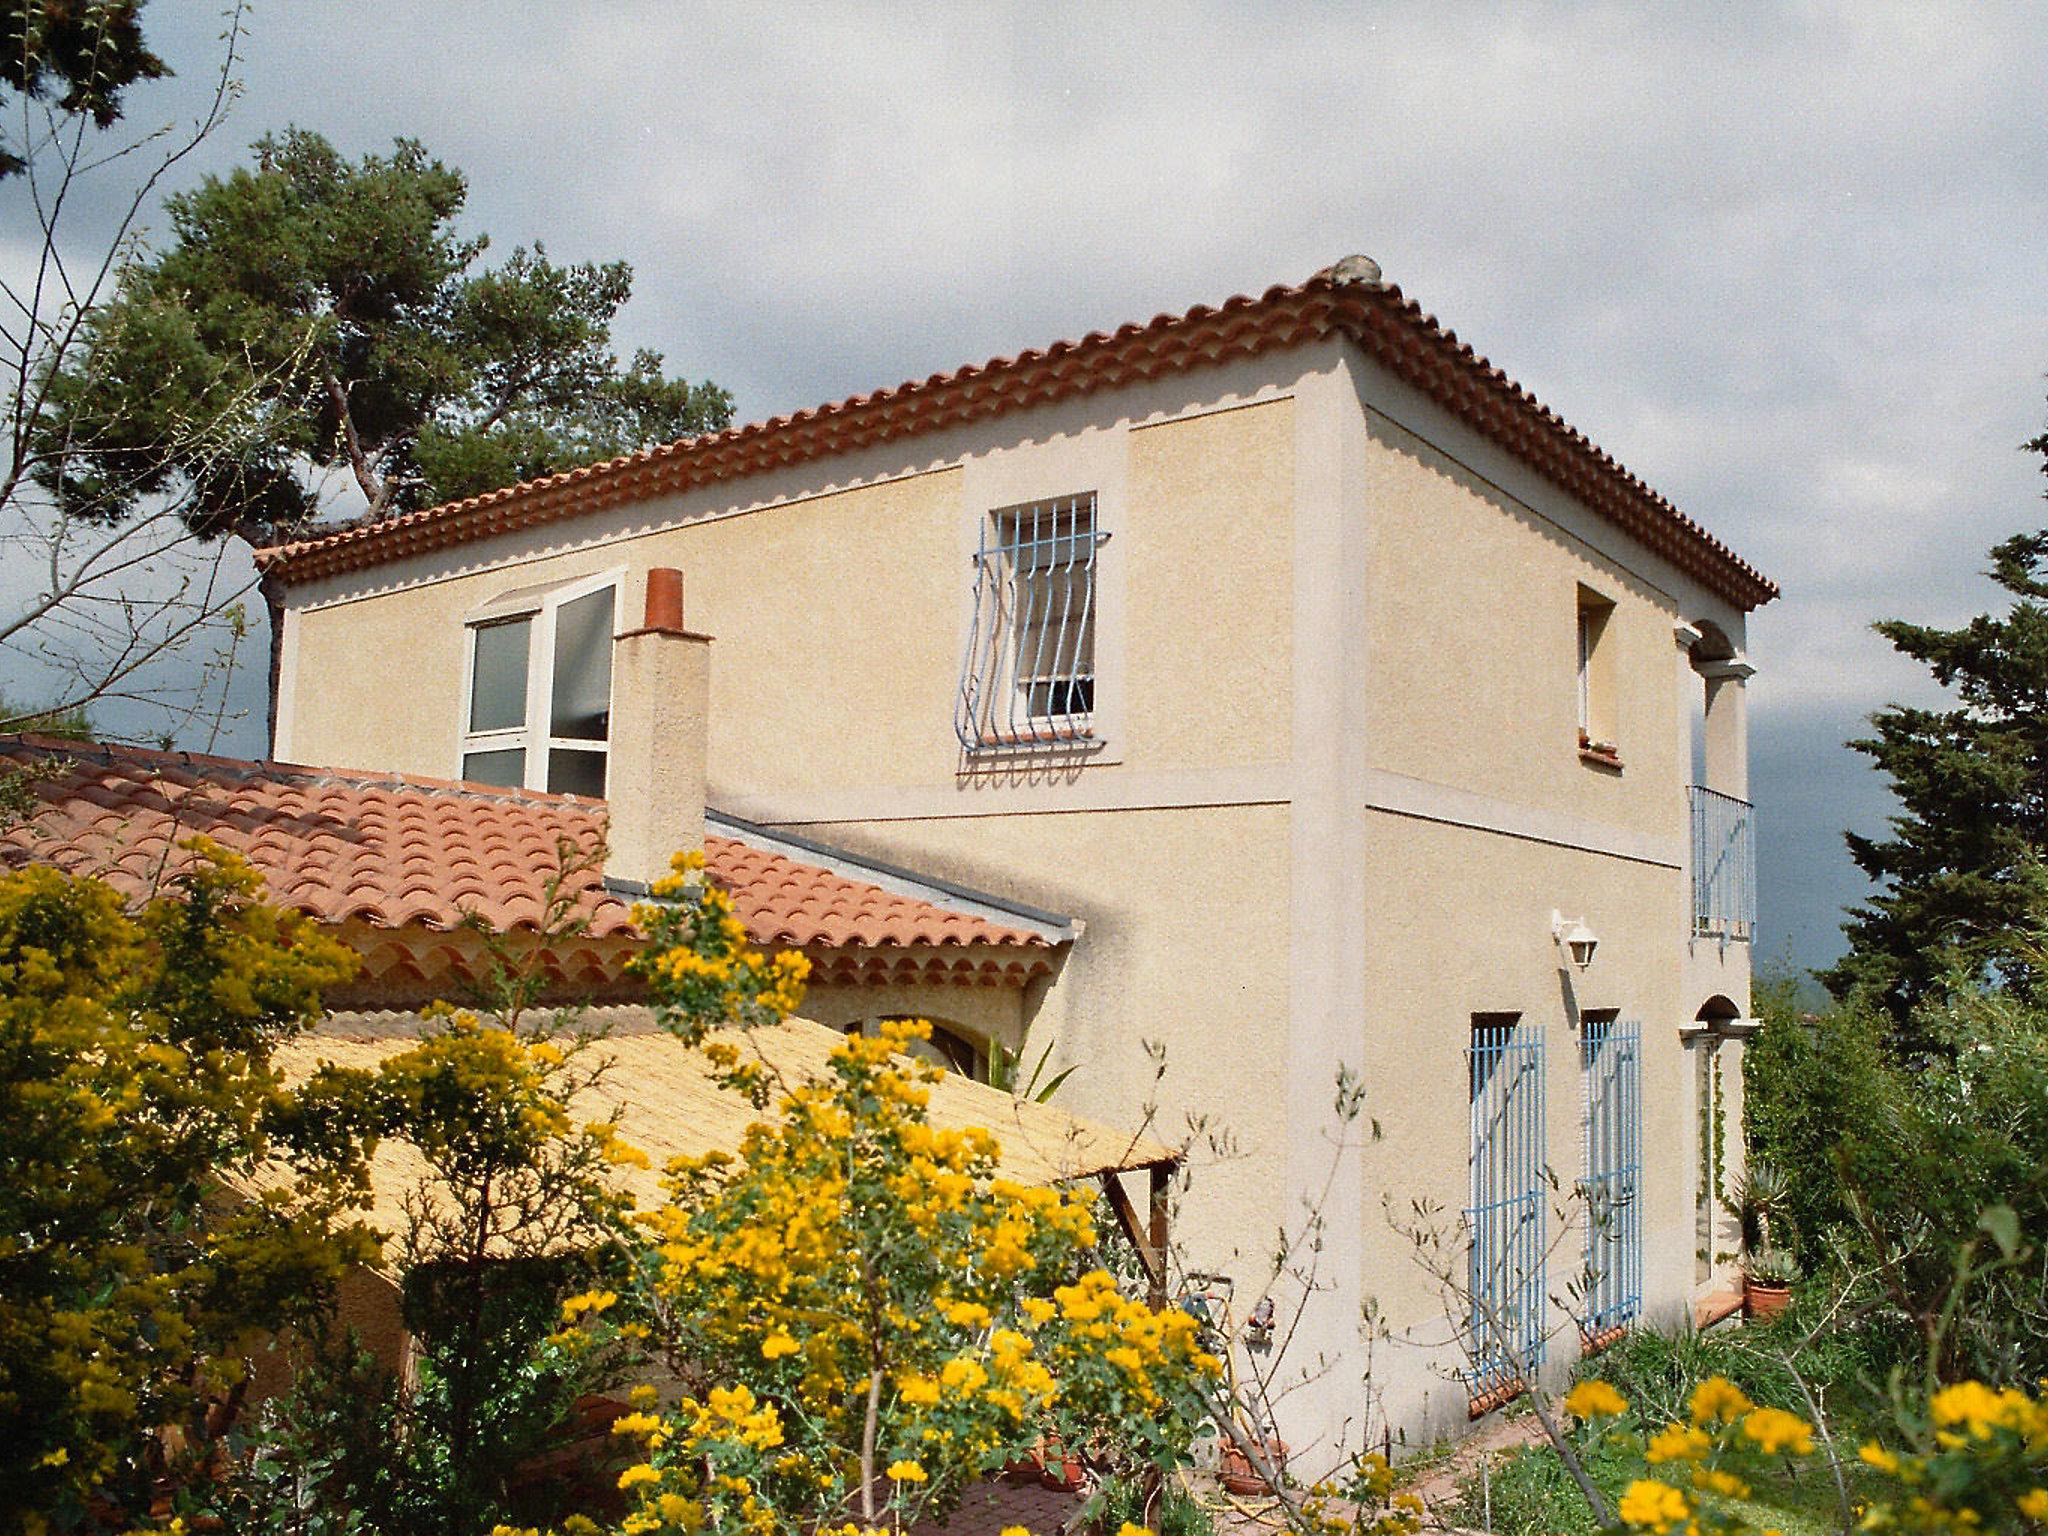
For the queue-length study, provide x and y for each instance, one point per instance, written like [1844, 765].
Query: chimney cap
[664, 600]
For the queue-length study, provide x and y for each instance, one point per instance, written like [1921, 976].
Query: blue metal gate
[1610, 1059]
[1505, 1219]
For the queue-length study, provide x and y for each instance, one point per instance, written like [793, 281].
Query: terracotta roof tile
[394, 851]
[1339, 301]
[784, 901]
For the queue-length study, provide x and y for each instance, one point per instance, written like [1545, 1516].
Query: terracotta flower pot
[1235, 1470]
[1056, 1469]
[1764, 1298]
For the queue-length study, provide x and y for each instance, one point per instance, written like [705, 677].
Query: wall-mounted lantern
[1574, 938]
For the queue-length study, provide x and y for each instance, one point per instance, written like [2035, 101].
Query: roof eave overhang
[1390, 328]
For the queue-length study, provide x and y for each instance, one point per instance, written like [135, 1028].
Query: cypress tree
[1963, 876]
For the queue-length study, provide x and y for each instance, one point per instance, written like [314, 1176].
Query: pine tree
[1964, 875]
[336, 327]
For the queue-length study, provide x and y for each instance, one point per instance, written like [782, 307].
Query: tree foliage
[108, 594]
[855, 1314]
[1963, 877]
[164, 1201]
[1966, 1458]
[1920, 1180]
[78, 54]
[340, 298]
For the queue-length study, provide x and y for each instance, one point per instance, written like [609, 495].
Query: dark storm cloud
[1787, 263]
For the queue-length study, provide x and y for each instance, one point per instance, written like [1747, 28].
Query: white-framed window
[537, 700]
[1028, 675]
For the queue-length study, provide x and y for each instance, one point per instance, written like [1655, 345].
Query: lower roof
[669, 1104]
[398, 851]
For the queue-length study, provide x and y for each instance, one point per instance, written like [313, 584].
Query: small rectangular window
[1028, 676]
[575, 773]
[507, 767]
[1595, 674]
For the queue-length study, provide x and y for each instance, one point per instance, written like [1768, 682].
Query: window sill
[1049, 741]
[1595, 757]
[1597, 1343]
[1480, 1406]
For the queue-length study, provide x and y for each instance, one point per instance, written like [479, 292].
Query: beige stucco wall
[1473, 608]
[1470, 933]
[1339, 797]
[1210, 584]
[1487, 821]
[817, 665]
[838, 626]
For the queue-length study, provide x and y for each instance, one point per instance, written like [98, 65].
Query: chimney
[661, 698]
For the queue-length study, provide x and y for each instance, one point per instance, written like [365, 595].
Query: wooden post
[1162, 1174]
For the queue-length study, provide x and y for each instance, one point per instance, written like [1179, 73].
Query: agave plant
[1761, 1192]
[1770, 1266]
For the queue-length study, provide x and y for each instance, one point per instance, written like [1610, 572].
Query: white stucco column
[1727, 725]
[1327, 896]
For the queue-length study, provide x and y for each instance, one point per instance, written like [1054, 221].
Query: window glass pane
[576, 773]
[506, 766]
[497, 686]
[583, 668]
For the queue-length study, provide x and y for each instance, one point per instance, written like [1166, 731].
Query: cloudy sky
[1790, 263]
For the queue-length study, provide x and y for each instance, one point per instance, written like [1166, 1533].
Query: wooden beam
[1153, 1259]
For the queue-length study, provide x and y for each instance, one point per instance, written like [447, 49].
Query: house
[1358, 714]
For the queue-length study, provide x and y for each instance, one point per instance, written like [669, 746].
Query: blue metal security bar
[1506, 1217]
[1028, 676]
[1610, 1060]
[1723, 864]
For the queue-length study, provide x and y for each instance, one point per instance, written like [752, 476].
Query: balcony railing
[1723, 865]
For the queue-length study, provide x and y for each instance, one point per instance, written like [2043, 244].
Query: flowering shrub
[137, 1105]
[698, 965]
[861, 1314]
[1976, 1461]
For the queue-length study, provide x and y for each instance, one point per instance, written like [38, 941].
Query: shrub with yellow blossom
[699, 966]
[517, 1207]
[1975, 1461]
[137, 1105]
[864, 1316]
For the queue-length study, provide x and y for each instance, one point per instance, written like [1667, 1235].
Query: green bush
[1533, 1495]
[1846, 1366]
[1122, 1501]
[1922, 1179]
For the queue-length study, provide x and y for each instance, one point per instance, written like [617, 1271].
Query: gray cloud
[1785, 262]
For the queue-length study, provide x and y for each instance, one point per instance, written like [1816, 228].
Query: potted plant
[1767, 1276]
[1054, 1467]
[1237, 1473]
[1761, 1193]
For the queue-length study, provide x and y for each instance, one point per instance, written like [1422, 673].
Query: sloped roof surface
[393, 850]
[784, 901]
[670, 1106]
[1347, 300]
